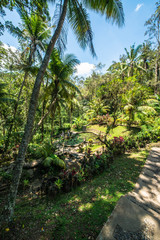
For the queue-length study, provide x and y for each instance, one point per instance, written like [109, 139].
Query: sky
[109, 40]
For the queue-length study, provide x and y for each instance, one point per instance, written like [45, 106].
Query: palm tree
[60, 71]
[153, 31]
[118, 69]
[134, 98]
[32, 35]
[132, 59]
[75, 12]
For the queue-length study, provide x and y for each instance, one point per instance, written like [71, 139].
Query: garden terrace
[73, 215]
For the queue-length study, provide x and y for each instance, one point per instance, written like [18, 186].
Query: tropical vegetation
[63, 134]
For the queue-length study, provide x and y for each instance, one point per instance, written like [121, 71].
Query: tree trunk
[52, 127]
[43, 110]
[19, 95]
[14, 114]
[9, 208]
[45, 115]
[54, 99]
[42, 128]
[156, 74]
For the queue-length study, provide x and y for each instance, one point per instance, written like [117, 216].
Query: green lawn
[81, 213]
[117, 131]
[79, 138]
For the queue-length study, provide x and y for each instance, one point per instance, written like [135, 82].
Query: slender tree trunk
[4, 131]
[19, 95]
[132, 70]
[54, 99]
[14, 114]
[9, 208]
[52, 128]
[71, 111]
[42, 128]
[43, 111]
[60, 119]
[156, 74]
[44, 116]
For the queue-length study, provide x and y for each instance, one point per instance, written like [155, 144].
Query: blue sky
[109, 40]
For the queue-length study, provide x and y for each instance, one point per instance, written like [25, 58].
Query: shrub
[146, 135]
[90, 142]
[36, 150]
[79, 123]
[41, 150]
[54, 160]
[104, 119]
[116, 145]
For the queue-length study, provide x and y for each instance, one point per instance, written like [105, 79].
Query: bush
[40, 150]
[116, 145]
[104, 119]
[54, 160]
[146, 135]
[79, 123]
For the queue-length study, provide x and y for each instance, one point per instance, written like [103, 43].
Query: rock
[33, 164]
[30, 173]
[36, 186]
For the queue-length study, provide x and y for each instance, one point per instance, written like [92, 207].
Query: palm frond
[72, 86]
[62, 39]
[15, 31]
[147, 110]
[81, 25]
[112, 9]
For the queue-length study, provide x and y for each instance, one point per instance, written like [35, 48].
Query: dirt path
[137, 215]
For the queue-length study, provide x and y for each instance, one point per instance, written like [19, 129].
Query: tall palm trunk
[132, 70]
[9, 208]
[54, 99]
[17, 102]
[44, 116]
[14, 113]
[42, 128]
[52, 125]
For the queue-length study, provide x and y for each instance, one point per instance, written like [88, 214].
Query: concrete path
[137, 215]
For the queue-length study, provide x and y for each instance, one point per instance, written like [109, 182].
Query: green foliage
[81, 148]
[73, 211]
[116, 145]
[146, 135]
[59, 183]
[90, 142]
[5, 176]
[25, 182]
[36, 151]
[41, 150]
[54, 160]
[79, 123]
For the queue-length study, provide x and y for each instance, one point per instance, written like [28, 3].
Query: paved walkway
[137, 215]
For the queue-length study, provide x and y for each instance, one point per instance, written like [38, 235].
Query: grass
[117, 131]
[95, 147]
[79, 138]
[81, 213]
[123, 131]
[97, 127]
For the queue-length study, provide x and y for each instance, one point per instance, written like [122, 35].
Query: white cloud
[139, 5]
[84, 69]
[8, 59]
[13, 49]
